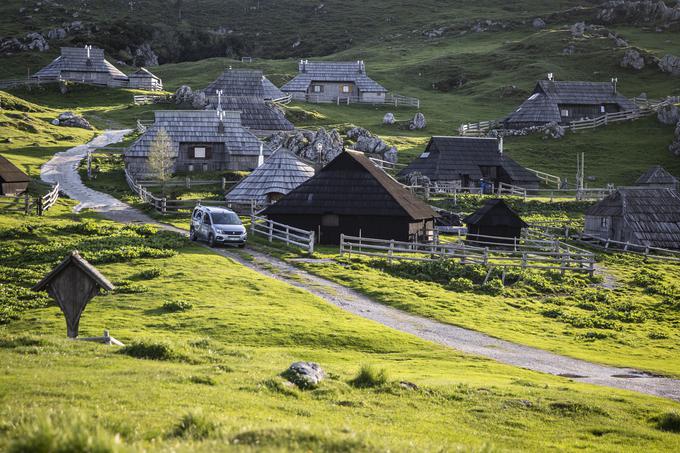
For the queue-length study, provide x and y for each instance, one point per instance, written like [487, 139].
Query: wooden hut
[352, 196]
[83, 64]
[249, 92]
[13, 181]
[143, 79]
[495, 219]
[648, 216]
[203, 140]
[563, 102]
[333, 81]
[465, 161]
[277, 176]
[657, 176]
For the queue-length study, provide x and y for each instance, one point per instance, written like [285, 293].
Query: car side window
[197, 215]
[206, 219]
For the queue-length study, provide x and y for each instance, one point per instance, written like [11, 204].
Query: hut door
[330, 229]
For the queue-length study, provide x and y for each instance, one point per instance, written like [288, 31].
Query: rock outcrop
[308, 144]
[632, 59]
[674, 147]
[200, 101]
[670, 64]
[578, 29]
[538, 23]
[305, 375]
[638, 12]
[369, 143]
[184, 95]
[669, 115]
[70, 119]
[418, 122]
[388, 118]
[144, 56]
[36, 41]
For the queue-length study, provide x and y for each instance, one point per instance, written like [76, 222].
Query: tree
[161, 158]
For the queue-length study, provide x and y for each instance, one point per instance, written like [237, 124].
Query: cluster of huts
[88, 65]
[351, 195]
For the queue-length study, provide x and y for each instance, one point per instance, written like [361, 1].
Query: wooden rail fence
[396, 100]
[524, 253]
[26, 204]
[141, 99]
[281, 232]
[629, 247]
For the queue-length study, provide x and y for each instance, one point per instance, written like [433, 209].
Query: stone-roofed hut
[657, 176]
[204, 140]
[646, 216]
[143, 79]
[83, 64]
[352, 196]
[276, 177]
[12, 180]
[563, 102]
[321, 81]
[495, 219]
[249, 92]
[464, 161]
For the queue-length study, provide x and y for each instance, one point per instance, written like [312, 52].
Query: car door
[206, 226]
[196, 220]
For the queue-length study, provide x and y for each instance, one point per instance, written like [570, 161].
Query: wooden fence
[284, 100]
[524, 253]
[25, 81]
[386, 165]
[281, 232]
[509, 189]
[396, 100]
[547, 178]
[143, 125]
[141, 99]
[27, 204]
[478, 129]
[628, 247]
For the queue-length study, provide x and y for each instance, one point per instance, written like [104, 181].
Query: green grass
[217, 377]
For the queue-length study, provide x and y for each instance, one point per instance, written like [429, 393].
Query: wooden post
[26, 203]
[310, 248]
[89, 164]
[524, 260]
[271, 229]
[486, 256]
[187, 182]
[390, 251]
[39, 206]
[164, 205]
[514, 246]
[287, 235]
[252, 223]
[224, 183]
[342, 244]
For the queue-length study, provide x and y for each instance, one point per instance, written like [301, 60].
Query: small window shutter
[208, 152]
[191, 153]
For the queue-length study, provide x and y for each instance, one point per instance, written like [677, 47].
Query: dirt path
[63, 166]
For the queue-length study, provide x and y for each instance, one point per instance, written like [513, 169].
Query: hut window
[425, 155]
[603, 222]
[345, 88]
[602, 109]
[565, 112]
[199, 152]
[318, 88]
[330, 220]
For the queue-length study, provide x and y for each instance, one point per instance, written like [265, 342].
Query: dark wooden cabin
[464, 161]
[496, 219]
[659, 177]
[563, 102]
[12, 180]
[352, 196]
[648, 216]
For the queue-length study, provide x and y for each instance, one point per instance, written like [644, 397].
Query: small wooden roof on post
[73, 283]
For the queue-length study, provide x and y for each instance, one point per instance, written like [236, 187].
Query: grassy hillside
[206, 376]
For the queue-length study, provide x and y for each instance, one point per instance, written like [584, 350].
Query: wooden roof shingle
[352, 185]
[332, 71]
[75, 59]
[657, 176]
[10, 172]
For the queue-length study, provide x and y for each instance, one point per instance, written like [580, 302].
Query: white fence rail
[140, 99]
[509, 189]
[281, 232]
[47, 201]
[484, 250]
[284, 100]
[386, 165]
[628, 247]
[478, 129]
[26, 203]
[396, 100]
[547, 178]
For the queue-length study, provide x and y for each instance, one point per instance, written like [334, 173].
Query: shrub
[149, 350]
[197, 426]
[670, 421]
[203, 380]
[150, 273]
[128, 287]
[461, 284]
[494, 287]
[645, 278]
[369, 376]
[176, 306]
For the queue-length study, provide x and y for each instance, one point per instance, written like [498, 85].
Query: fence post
[224, 183]
[164, 205]
[187, 181]
[271, 229]
[486, 256]
[310, 249]
[390, 251]
[524, 260]
[26, 203]
[252, 223]
[287, 235]
[342, 243]
[39, 206]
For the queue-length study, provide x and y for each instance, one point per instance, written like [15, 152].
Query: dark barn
[658, 177]
[563, 102]
[464, 161]
[496, 219]
[352, 196]
[12, 180]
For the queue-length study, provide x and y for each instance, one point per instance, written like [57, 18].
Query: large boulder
[308, 144]
[388, 118]
[184, 95]
[70, 119]
[36, 41]
[554, 130]
[674, 147]
[670, 64]
[200, 101]
[371, 144]
[538, 23]
[578, 29]
[328, 143]
[632, 59]
[145, 56]
[418, 122]
[10, 45]
[56, 33]
[634, 12]
[668, 115]
[305, 375]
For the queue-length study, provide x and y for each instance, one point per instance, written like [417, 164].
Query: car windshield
[225, 218]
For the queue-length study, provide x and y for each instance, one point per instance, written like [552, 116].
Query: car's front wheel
[211, 240]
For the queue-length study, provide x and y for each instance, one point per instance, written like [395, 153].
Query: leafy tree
[161, 157]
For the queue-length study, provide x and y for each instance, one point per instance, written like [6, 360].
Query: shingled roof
[495, 212]
[448, 158]
[247, 91]
[336, 71]
[280, 173]
[10, 172]
[543, 104]
[143, 72]
[651, 214]
[352, 185]
[200, 126]
[657, 176]
[75, 59]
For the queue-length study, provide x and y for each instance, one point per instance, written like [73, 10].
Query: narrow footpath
[63, 169]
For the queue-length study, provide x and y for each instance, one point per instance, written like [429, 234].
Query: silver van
[217, 226]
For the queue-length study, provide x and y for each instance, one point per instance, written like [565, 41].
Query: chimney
[260, 158]
[550, 76]
[500, 145]
[362, 67]
[88, 48]
[615, 81]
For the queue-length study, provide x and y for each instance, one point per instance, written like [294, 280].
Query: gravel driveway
[62, 168]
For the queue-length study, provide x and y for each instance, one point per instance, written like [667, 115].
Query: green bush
[461, 284]
[670, 421]
[494, 287]
[369, 376]
[176, 306]
[646, 278]
[150, 273]
[149, 350]
[197, 426]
